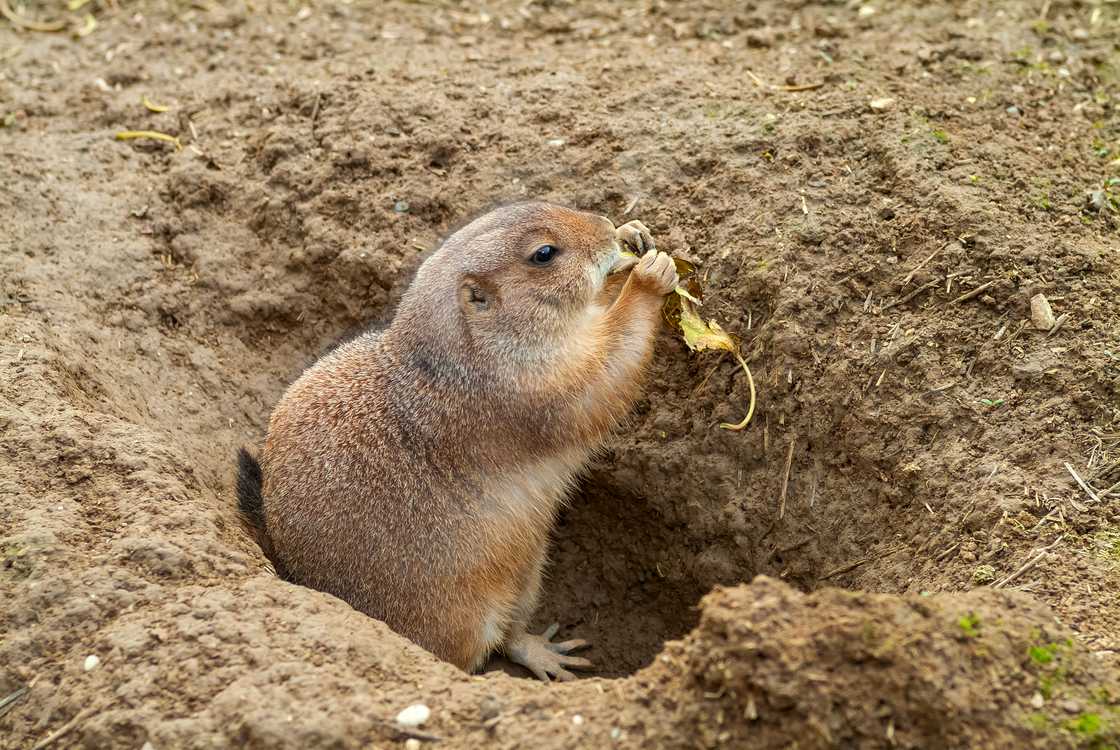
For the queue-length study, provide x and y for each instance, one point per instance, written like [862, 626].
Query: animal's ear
[477, 295]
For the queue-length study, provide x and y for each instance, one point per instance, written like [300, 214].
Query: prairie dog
[416, 472]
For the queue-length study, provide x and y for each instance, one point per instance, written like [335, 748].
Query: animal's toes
[566, 646]
[578, 662]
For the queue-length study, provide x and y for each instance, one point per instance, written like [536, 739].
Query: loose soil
[893, 554]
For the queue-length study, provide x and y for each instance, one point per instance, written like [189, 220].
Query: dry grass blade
[912, 294]
[975, 292]
[921, 265]
[26, 23]
[1082, 484]
[849, 567]
[132, 135]
[7, 703]
[152, 106]
[1029, 563]
[785, 478]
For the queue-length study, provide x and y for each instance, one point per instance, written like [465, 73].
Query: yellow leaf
[700, 335]
[685, 293]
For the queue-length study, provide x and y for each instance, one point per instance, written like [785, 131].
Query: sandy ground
[894, 554]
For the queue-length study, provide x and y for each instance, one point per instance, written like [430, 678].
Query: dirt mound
[864, 670]
[873, 196]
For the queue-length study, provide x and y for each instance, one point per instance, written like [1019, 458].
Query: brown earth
[910, 440]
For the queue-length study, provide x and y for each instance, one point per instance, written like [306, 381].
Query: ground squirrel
[416, 472]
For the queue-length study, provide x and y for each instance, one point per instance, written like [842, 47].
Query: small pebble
[1042, 316]
[412, 744]
[1071, 706]
[577, 720]
[414, 715]
[1037, 701]
[1096, 201]
[556, 142]
[1015, 111]
[881, 104]
[91, 663]
[616, 733]
[401, 207]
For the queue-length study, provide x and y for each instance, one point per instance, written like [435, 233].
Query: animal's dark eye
[544, 255]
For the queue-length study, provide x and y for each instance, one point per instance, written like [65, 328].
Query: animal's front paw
[656, 272]
[544, 658]
[635, 237]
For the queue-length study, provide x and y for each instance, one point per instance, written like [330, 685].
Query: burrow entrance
[678, 508]
[626, 576]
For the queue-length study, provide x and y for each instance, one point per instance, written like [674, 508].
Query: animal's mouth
[619, 260]
[613, 260]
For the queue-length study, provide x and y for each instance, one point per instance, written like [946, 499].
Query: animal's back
[370, 495]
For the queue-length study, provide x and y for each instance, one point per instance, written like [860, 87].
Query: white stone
[91, 663]
[414, 715]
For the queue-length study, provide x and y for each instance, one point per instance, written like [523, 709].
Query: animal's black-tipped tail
[250, 503]
[249, 499]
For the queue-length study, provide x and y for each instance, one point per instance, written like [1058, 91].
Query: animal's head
[521, 276]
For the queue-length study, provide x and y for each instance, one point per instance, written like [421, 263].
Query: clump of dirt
[872, 195]
[853, 669]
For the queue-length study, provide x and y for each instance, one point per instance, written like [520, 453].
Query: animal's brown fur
[416, 472]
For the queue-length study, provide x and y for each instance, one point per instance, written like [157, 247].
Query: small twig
[1029, 563]
[947, 552]
[918, 267]
[62, 730]
[1046, 518]
[631, 205]
[1081, 483]
[1057, 324]
[785, 478]
[800, 87]
[975, 292]
[315, 109]
[912, 294]
[709, 375]
[848, 568]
